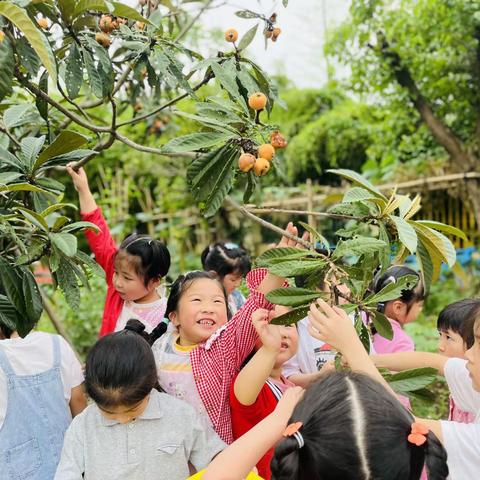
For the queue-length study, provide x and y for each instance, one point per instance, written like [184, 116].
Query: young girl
[260, 384]
[399, 312]
[338, 430]
[198, 360]
[231, 263]
[455, 326]
[134, 272]
[132, 430]
[461, 441]
[40, 390]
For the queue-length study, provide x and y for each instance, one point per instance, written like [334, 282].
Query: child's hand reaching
[269, 335]
[287, 242]
[332, 325]
[80, 180]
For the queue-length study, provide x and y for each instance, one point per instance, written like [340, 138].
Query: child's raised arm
[80, 182]
[407, 360]
[238, 459]
[253, 376]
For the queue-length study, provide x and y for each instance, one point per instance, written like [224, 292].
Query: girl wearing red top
[133, 272]
[260, 384]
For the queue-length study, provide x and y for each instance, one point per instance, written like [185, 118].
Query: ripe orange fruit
[231, 35]
[278, 140]
[2, 35]
[42, 23]
[107, 24]
[266, 151]
[268, 33]
[140, 25]
[257, 101]
[246, 162]
[275, 33]
[261, 167]
[103, 39]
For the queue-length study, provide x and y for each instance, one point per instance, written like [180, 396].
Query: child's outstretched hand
[287, 242]
[288, 402]
[331, 325]
[80, 180]
[269, 335]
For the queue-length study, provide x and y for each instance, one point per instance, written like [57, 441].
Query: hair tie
[292, 430]
[418, 434]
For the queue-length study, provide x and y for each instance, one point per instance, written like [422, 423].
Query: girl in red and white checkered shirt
[199, 358]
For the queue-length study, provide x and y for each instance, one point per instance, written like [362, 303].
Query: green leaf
[122, 10]
[406, 233]
[279, 254]
[426, 266]
[195, 141]
[85, 5]
[227, 82]
[292, 268]
[382, 324]
[34, 218]
[7, 177]
[20, 115]
[65, 142]
[357, 178]
[411, 380]
[247, 39]
[32, 297]
[68, 283]
[56, 207]
[41, 104]
[316, 236]
[442, 227]
[73, 227]
[37, 40]
[208, 120]
[392, 290]
[9, 316]
[291, 317]
[28, 57]
[11, 281]
[7, 61]
[357, 194]
[293, 296]
[251, 186]
[73, 71]
[65, 242]
[82, 257]
[7, 157]
[94, 77]
[358, 246]
[30, 148]
[67, 9]
[384, 255]
[247, 14]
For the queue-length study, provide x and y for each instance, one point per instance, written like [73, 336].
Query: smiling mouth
[284, 346]
[206, 322]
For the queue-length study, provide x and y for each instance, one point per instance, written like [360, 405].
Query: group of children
[200, 379]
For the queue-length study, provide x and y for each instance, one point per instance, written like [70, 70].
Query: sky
[298, 52]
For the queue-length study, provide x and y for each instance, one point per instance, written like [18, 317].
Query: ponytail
[435, 458]
[285, 464]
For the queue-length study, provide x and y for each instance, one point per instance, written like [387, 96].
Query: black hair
[153, 257]
[224, 260]
[353, 429]
[120, 368]
[391, 275]
[177, 289]
[460, 318]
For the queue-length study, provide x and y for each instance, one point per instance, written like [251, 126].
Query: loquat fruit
[277, 140]
[140, 25]
[246, 162]
[103, 39]
[261, 167]
[107, 24]
[266, 151]
[2, 35]
[275, 33]
[231, 35]
[42, 23]
[257, 101]
[268, 33]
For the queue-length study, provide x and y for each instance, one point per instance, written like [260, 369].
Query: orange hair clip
[292, 429]
[418, 434]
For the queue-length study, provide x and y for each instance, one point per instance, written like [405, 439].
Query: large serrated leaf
[247, 39]
[18, 115]
[9, 316]
[382, 325]
[195, 141]
[94, 77]
[406, 233]
[65, 242]
[30, 149]
[66, 141]
[291, 317]
[18, 187]
[39, 43]
[442, 227]
[357, 194]
[292, 268]
[411, 380]
[358, 246]
[392, 290]
[278, 254]
[68, 283]
[73, 71]
[7, 61]
[122, 10]
[229, 84]
[293, 296]
[85, 5]
[33, 299]
[357, 178]
[11, 281]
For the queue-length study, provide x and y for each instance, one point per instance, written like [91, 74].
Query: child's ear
[173, 317]
[155, 282]
[399, 308]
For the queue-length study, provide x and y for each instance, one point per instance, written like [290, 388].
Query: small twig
[10, 136]
[301, 212]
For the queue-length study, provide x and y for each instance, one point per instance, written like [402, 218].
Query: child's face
[451, 344]
[289, 344]
[231, 281]
[200, 312]
[129, 284]
[473, 357]
[123, 413]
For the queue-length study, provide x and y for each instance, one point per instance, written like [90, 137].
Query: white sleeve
[72, 460]
[291, 367]
[460, 385]
[72, 373]
[462, 443]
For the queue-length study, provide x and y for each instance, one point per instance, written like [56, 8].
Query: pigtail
[285, 464]
[158, 331]
[435, 458]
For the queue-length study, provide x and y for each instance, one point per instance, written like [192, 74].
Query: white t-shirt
[34, 354]
[462, 440]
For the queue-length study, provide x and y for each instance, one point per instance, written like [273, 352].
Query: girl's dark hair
[391, 275]
[224, 260]
[177, 289]
[120, 368]
[152, 256]
[353, 429]
[460, 318]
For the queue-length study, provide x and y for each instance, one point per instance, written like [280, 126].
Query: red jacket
[104, 248]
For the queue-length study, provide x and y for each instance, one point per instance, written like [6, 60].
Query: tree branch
[300, 212]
